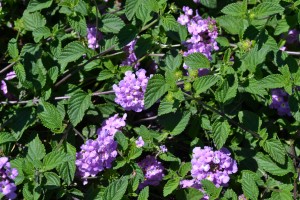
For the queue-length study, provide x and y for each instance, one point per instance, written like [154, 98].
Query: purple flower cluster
[3, 87]
[203, 33]
[280, 102]
[93, 36]
[130, 91]
[97, 155]
[139, 142]
[7, 174]
[215, 166]
[131, 58]
[153, 171]
[292, 36]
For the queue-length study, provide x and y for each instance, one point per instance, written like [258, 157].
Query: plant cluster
[149, 99]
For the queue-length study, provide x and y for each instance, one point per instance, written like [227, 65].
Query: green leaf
[6, 137]
[33, 20]
[78, 23]
[209, 3]
[181, 125]
[169, 22]
[173, 62]
[36, 149]
[54, 159]
[275, 149]
[273, 81]
[144, 194]
[116, 189]
[35, 5]
[41, 32]
[104, 75]
[170, 186]
[221, 130]
[250, 120]
[184, 169]
[281, 195]
[79, 103]
[235, 9]
[249, 186]
[166, 107]
[156, 88]
[143, 45]
[266, 9]
[230, 195]
[231, 24]
[71, 52]
[67, 169]
[127, 34]
[122, 140]
[254, 57]
[131, 7]
[201, 84]
[189, 194]
[111, 23]
[265, 162]
[211, 189]
[134, 152]
[227, 90]
[52, 180]
[197, 61]
[13, 48]
[18, 164]
[50, 117]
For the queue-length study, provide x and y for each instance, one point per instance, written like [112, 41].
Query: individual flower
[139, 142]
[153, 171]
[97, 155]
[93, 35]
[242, 197]
[163, 148]
[203, 34]
[7, 174]
[3, 87]
[131, 59]
[280, 102]
[292, 36]
[131, 90]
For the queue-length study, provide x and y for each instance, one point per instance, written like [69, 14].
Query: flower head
[139, 142]
[280, 102]
[93, 35]
[7, 174]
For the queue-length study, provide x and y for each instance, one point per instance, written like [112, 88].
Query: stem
[78, 133]
[8, 67]
[149, 25]
[146, 119]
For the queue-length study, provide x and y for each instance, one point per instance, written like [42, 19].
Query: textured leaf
[156, 88]
[121, 140]
[50, 117]
[169, 22]
[273, 81]
[144, 194]
[104, 75]
[71, 52]
[184, 169]
[67, 169]
[33, 20]
[112, 23]
[209, 3]
[36, 149]
[116, 189]
[181, 125]
[189, 194]
[233, 25]
[221, 130]
[197, 61]
[275, 149]
[6, 137]
[266, 9]
[54, 159]
[227, 90]
[18, 164]
[266, 163]
[78, 23]
[203, 83]
[35, 5]
[235, 9]
[281, 195]
[79, 103]
[173, 62]
[249, 186]
[52, 180]
[166, 107]
[170, 186]
[13, 48]
[131, 7]
[230, 195]
[41, 32]
[211, 189]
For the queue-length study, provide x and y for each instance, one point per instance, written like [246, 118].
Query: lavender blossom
[3, 87]
[292, 36]
[131, 59]
[153, 171]
[280, 102]
[203, 35]
[163, 148]
[139, 142]
[97, 155]
[93, 36]
[7, 174]
[130, 91]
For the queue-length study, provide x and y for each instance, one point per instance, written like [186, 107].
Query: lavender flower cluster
[7, 174]
[280, 102]
[131, 59]
[130, 91]
[215, 166]
[93, 35]
[97, 155]
[203, 35]
[153, 171]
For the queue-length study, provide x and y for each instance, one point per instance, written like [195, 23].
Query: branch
[8, 67]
